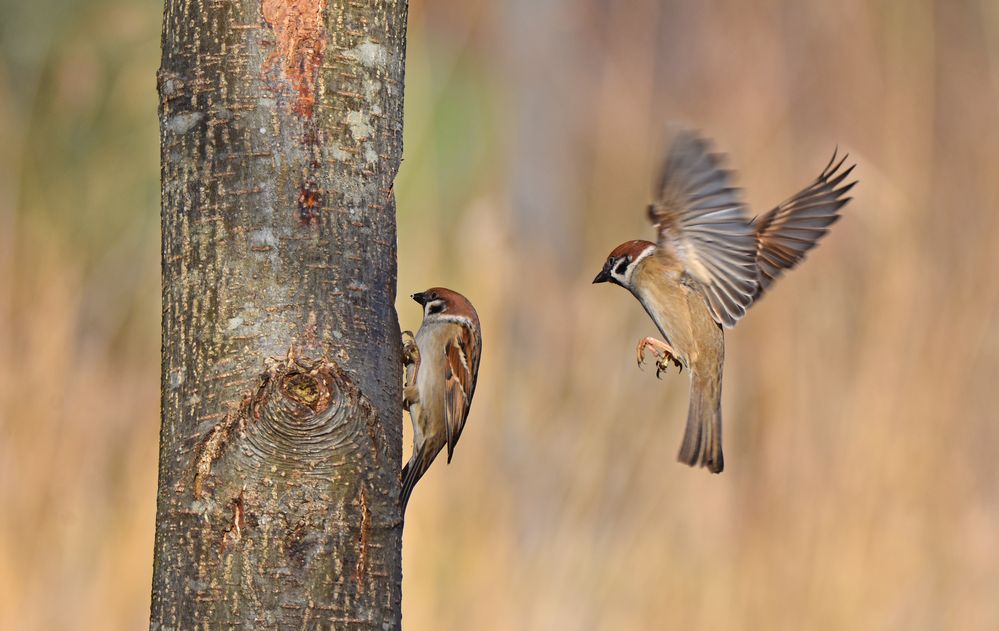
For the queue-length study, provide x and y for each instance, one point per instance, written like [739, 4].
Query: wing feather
[702, 221]
[462, 354]
[786, 233]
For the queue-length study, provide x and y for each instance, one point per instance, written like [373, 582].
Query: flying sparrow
[709, 265]
[442, 364]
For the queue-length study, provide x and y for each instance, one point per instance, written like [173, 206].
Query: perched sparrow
[442, 364]
[711, 262]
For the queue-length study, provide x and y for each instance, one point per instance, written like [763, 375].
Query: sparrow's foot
[410, 366]
[410, 352]
[664, 354]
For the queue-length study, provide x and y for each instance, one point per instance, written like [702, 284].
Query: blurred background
[861, 394]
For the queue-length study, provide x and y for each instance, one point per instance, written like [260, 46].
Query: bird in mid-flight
[710, 263]
[442, 364]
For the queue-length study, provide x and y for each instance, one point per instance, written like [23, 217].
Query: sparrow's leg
[664, 354]
[411, 365]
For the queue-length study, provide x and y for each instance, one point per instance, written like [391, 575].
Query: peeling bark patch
[309, 201]
[235, 531]
[301, 42]
[211, 450]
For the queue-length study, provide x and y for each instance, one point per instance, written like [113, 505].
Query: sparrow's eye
[622, 266]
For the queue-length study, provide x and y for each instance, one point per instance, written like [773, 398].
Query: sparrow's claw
[410, 352]
[662, 364]
[645, 342]
[410, 366]
[664, 354]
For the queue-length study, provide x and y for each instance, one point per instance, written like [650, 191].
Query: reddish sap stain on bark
[301, 42]
[309, 201]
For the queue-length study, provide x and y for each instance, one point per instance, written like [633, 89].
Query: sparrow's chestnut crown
[618, 266]
[440, 300]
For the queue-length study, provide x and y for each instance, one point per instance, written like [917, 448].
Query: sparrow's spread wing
[786, 233]
[701, 220]
[461, 368]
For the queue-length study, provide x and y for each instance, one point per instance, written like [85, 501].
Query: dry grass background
[861, 394]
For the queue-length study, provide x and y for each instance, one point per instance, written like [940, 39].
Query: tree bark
[281, 438]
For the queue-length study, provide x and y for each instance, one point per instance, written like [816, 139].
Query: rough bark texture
[281, 134]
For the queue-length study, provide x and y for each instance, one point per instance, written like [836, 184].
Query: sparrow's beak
[602, 277]
[420, 298]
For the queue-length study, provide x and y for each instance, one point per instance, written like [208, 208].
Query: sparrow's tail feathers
[702, 440]
[412, 472]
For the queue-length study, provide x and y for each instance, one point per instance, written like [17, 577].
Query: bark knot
[305, 417]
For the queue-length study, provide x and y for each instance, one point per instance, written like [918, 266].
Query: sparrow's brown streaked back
[709, 265]
[443, 366]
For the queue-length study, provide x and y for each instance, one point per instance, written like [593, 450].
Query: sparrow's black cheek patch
[622, 267]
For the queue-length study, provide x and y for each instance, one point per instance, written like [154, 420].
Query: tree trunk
[281, 439]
